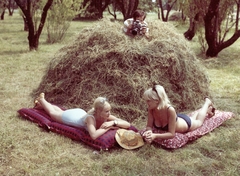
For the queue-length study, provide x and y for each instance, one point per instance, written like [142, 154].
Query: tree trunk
[169, 8]
[113, 14]
[10, 7]
[211, 31]
[10, 11]
[127, 7]
[2, 15]
[190, 33]
[25, 28]
[33, 34]
[211, 28]
[101, 5]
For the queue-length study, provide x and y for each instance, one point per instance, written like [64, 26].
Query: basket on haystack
[103, 61]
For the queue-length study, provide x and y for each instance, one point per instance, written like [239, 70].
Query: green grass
[26, 149]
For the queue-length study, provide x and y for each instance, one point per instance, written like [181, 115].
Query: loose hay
[103, 61]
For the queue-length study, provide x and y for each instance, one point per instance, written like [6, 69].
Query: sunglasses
[103, 100]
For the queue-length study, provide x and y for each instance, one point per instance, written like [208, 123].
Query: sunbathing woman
[97, 121]
[162, 116]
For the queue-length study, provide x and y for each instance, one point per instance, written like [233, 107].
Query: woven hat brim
[117, 137]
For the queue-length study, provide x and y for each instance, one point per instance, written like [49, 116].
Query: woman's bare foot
[42, 95]
[211, 111]
[37, 104]
[207, 100]
[37, 101]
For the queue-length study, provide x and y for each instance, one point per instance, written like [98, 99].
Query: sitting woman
[97, 121]
[136, 25]
[162, 116]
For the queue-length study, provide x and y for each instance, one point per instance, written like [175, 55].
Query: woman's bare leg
[199, 117]
[210, 113]
[54, 111]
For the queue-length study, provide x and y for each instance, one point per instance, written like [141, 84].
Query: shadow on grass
[14, 52]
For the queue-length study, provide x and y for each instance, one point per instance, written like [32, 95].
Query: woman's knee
[195, 124]
[56, 115]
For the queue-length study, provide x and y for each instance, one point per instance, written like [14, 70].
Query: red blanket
[208, 125]
[108, 141]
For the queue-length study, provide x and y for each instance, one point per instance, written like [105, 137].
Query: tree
[10, 6]
[168, 5]
[101, 5]
[114, 8]
[3, 5]
[148, 6]
[59, 17]
[195, 10]
[213, 17]
[213, 20]
[34, 32]
[190, 33]
[127, 7]
[95, 8]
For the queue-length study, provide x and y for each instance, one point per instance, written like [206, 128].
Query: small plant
[59, 19]
[202, 40]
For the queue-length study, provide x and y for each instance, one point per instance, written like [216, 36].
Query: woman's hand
[148, 136]
[106, 125]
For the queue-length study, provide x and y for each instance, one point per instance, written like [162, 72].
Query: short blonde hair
[98, 105]
[157, 92]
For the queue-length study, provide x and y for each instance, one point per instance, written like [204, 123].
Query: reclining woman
[96, 121]
[162, 116]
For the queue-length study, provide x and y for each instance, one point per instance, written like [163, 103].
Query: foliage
[59, 18]
[201, 39]
[148, 6]
[94, 9]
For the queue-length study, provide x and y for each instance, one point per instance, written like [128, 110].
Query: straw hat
[128, 139]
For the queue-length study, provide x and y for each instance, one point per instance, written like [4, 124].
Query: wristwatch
[115, 123]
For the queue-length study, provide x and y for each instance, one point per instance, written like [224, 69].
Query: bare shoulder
[171, 109]
[90, 119]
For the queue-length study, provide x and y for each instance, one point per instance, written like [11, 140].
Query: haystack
[103, 61]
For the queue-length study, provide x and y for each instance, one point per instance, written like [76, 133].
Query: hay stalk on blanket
[103, 61]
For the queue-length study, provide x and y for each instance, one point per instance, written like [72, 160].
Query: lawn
[27, 149]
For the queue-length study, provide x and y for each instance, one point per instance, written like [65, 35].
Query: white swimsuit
[75, 117]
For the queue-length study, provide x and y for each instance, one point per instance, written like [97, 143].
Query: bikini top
[165, 128]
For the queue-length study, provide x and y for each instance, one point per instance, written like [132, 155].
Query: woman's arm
[115, 122]
[171, 126]
[148, 130]
[150, 121]
[93, 132]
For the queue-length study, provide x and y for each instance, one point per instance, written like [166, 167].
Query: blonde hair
[98, 105]
[157, 92]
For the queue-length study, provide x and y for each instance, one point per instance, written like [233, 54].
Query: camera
[138, 27]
